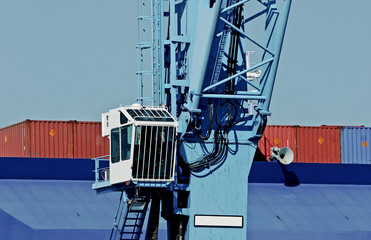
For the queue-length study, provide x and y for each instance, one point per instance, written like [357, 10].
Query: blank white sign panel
[218, 221]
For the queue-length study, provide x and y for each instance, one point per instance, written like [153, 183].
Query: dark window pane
[150, 113]
[145, 113]
[123, 118]
[159, 150]
[161, 113]
[168, 171]
[115, 145]
[155, 113]
[166, 114]
[131, 113]
[126, 135]
[138, 154]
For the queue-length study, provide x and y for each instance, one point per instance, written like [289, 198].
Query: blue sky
[74, 59]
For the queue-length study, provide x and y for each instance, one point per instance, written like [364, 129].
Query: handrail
[99, 170]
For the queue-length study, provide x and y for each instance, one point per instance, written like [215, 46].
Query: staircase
[134, 219]
[145, 50]
[129, 219]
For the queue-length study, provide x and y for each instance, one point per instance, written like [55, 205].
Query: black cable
[203, 138]
[221, 141]
[230, 122]
[209, 160]
[204, 161]
[220, 148]
[216, 114]
[243, 116]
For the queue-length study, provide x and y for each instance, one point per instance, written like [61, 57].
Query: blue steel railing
[100, 170]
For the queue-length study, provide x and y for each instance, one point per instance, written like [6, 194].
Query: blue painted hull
[331, 202]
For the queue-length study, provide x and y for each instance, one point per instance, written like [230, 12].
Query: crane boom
[191, 140]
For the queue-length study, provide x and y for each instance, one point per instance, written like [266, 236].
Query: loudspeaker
[284, 155]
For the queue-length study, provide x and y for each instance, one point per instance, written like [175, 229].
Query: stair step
[132, 218]
[135, 225]
[136, 211]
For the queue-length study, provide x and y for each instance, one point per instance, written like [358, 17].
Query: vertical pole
[153, 53]
[161, 52]
[172, 76]
[139, 135]
[96, 171]
[144, 137]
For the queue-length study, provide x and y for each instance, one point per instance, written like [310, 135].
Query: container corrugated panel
[318, 144]
[277, 136]
[53, 139]
[89, 141]
[355, 145]
[14, 140]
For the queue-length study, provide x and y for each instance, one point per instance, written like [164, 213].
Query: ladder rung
[134, 219]
[145, 98]
[136, 208]
[145, 17]
[144, 72]
[144, 45]
[139, 221]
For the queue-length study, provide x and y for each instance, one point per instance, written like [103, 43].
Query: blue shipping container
[355, 145]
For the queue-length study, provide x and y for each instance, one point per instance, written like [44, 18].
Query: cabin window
[126, 135]
[150, 115]
[115, 145]
[154, 149]
[123, 118]
[121, 143]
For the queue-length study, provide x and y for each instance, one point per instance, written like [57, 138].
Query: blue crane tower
[183, 152]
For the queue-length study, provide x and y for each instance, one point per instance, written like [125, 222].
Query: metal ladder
[129, 219]
[134, 219]
[144, 48]
[149, 52]
[218, 62]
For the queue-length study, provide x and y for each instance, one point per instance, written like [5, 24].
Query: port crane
[183, 152]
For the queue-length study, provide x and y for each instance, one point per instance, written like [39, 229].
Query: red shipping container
[309, 144]
[278, 136]
[13, 140]
[50, 139]
[318, 144]
[88, 140]
[53, 139]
